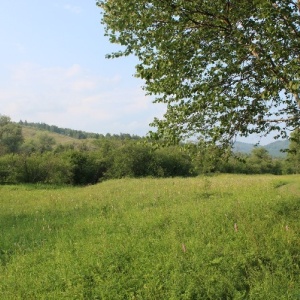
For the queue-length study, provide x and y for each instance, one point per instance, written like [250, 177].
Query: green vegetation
[75, 134]
[293, 157]
[222, 68]
[10, 136]
[205, 237]
[35, 155]
[217, 237]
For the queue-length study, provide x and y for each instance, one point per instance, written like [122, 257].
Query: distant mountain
[273, 148]
[240, 147]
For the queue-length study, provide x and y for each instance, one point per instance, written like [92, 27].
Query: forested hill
[77, 134]
[274, 149]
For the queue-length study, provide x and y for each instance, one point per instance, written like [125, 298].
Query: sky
[53, 70]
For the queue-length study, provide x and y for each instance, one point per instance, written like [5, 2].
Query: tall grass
[223, 237]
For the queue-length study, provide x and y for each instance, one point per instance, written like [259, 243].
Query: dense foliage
[10, 135]
[293, 155]
[222, 67]
[41, 159]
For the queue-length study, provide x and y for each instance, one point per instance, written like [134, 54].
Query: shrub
[172, 162]
[132, 160]
[44, 168]
[86, 167]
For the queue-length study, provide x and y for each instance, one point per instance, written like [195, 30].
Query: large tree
[222, 67]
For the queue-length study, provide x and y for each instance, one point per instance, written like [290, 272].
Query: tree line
[77, 134]
[43, 160]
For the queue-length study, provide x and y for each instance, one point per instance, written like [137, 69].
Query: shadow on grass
[289, 208]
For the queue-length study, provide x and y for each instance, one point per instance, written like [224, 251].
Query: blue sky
[53, 70]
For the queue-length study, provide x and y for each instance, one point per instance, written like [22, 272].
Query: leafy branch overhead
[222, 67]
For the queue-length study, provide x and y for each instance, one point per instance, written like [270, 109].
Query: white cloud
[72, 97]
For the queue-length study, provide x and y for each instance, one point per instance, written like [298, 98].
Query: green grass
[30, 133]
[153, 239]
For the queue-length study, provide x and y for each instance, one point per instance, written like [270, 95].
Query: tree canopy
[222, 67]
[10, 135]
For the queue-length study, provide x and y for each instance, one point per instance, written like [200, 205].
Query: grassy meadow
[219, 237]
[33, 134]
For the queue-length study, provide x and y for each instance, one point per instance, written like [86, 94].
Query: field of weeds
[220, 237]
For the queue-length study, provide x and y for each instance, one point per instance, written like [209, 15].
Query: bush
[44, 168]
[9, 168]
[35, 168]
[131, 160]
[86, 168]
[172, 162]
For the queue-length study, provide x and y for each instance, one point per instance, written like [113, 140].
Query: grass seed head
[236, 227]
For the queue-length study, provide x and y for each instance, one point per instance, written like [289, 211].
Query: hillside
[240, 147]
[273, 148]
[31, 133]
[70, 136]
[76, 134]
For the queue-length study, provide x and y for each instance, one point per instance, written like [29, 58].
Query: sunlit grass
[222, 237]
